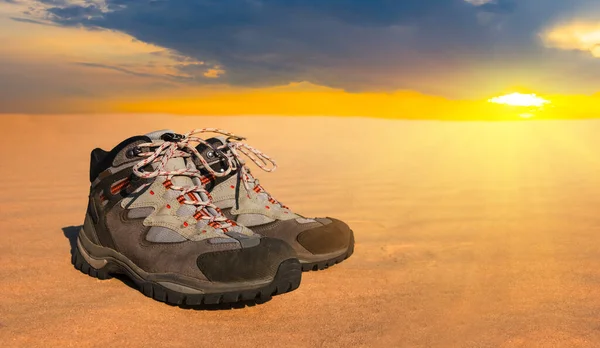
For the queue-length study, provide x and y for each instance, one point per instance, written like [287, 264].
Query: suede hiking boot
[150, 217]
[319, 242]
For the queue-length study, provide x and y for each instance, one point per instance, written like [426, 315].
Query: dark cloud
[352, 44]
[74, 14]
[54, 2]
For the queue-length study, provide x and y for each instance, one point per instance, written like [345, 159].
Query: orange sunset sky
[439, 59]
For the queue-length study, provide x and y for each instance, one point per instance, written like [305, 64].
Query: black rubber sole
[287, 279]
[321, 265]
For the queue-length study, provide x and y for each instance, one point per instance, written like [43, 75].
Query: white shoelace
[237, 149]
[166, 150]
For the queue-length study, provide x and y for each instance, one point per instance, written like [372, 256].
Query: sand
[468, 235]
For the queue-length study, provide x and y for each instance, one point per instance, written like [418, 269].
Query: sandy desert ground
[468, 235]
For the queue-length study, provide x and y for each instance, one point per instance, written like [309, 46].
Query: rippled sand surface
[468, 235]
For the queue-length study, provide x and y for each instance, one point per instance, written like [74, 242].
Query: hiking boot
[149, 217]
[319, 242]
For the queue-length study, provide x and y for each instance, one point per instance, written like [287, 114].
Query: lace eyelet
[134, 152]
[172, 137]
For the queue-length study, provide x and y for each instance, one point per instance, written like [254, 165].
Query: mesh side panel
[171, 194]
[158, 234]
[138, 213]
[201, 224]
[222, 240]
[186, 210]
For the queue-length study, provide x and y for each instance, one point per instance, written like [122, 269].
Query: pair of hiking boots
[186, 220]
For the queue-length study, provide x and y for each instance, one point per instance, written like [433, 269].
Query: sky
[442, 59]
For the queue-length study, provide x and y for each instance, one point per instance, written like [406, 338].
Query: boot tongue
[214, 142]
[183, 163]
[174, 163]
[209, 154]
[164, 134]
[217, 163]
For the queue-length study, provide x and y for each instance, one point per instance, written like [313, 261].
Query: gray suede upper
[144, 221]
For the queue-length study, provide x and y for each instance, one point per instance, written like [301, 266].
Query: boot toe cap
[328, 238]
[246, 264]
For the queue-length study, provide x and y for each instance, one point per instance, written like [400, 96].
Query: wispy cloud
[480, 2]
[33, 21]
[214, 73]
[119, 69]
[580, 36]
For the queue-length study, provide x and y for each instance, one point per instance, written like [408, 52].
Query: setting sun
[519, 99]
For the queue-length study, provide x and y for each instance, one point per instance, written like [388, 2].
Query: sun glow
[519, 99]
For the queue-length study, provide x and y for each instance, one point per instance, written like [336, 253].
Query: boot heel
[80, 263]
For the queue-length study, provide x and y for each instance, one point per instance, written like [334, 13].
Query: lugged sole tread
[287, 279]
